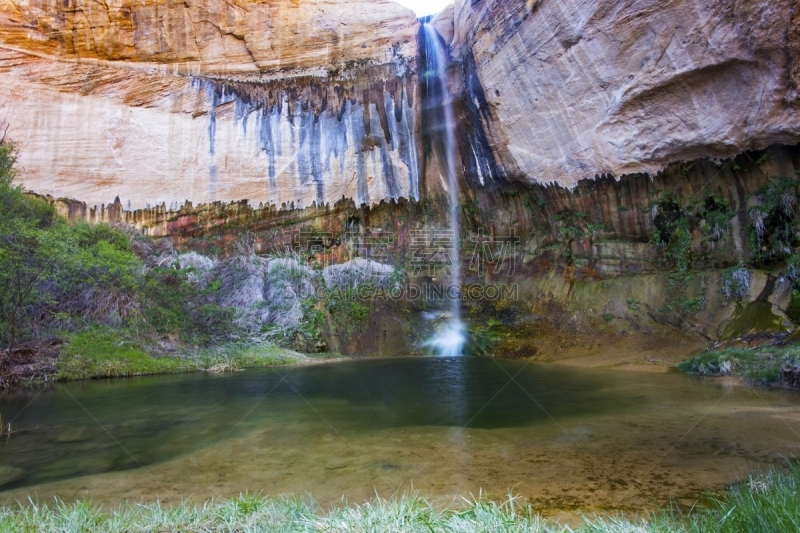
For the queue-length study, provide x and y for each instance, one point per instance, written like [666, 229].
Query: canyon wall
[568, 90]
[595, 275]
[159, 102]
[294, 103]
[596, 140]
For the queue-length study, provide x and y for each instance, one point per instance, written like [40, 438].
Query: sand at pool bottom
[627, 462]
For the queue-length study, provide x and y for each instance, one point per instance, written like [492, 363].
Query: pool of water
[562, 438]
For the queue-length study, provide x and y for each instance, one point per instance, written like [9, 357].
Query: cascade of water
[450, 339]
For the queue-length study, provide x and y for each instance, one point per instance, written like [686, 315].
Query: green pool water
[562, 438]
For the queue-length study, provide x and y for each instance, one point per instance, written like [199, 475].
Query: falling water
[450, 339]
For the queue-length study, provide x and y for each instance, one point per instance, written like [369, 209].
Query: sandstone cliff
[161, 102]
[213, 36]
[294, 103]
[570, 90]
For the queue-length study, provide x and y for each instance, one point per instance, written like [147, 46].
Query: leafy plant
[773, 233]
[735, 282]
[693, 305]
[715, 216]
[679, 248]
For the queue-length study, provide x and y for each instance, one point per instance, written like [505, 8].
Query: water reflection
[445, 424]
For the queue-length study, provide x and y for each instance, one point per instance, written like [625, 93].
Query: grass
[766, 503]
[104, 352]
[762, 366]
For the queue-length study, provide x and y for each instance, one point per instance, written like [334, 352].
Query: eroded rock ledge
[572, 90]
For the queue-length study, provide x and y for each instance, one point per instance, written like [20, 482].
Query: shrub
[772, 226]
[715, 217]
[792, 270]
[762, 366]
[735, 282]
[717, 362]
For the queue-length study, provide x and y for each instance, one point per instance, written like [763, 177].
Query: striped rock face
[575, 88]
[161, 102]
[296, 103]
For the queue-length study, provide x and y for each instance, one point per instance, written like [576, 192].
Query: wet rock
[24, 370]
[167, 347]
[791, 373]
[443, 24]
[303, 344]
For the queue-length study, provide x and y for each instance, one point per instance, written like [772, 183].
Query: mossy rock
[755, 317]
[794, 338]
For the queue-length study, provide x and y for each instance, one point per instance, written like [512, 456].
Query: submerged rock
[10, 474]
[74, 434]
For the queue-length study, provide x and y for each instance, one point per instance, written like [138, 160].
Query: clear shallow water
[564, 438]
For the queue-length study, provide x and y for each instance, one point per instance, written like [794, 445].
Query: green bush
[773, 233]
[679, 248]
[715, 217]
[735, 282]
[711, 362]
[58, 276]
[762, 366]
[793, 268]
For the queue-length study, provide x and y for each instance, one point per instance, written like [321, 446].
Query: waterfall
[450, 339]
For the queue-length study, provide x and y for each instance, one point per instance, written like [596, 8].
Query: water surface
[563, 438]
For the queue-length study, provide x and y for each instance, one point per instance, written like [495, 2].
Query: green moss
[105, 352]
[761, 365]
[350, 315]
[755, 317]
[714, 217]
[793, 310]
[570, 232]
[693, 305]
[718, 362]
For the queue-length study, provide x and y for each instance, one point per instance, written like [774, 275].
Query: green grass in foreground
[105, 352]
[762, 365]
[767, 503]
